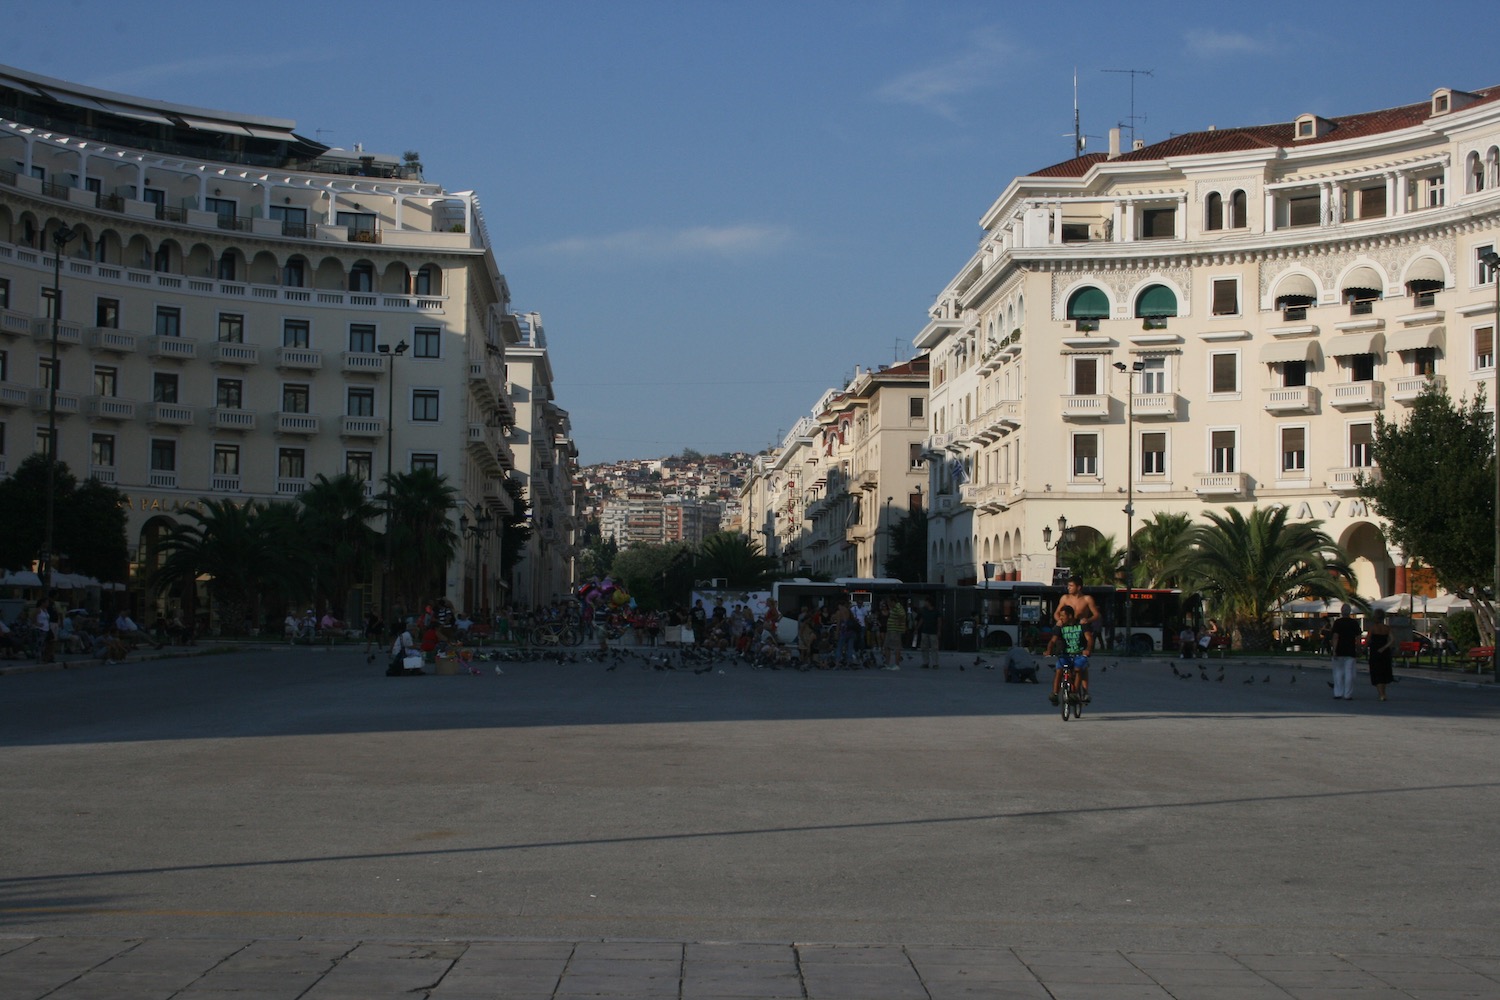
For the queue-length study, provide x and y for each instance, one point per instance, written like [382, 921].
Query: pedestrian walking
[1382, 646]
[929, 627]
[1343, 632]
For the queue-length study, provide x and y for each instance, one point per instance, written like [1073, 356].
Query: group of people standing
[1344, 632]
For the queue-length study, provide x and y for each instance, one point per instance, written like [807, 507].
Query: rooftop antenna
[1077, 127]
[1133, 118]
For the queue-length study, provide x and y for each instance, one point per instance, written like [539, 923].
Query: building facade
[1215, 320]
[241, 310]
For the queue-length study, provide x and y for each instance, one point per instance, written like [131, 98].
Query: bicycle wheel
[569, 636]
[544, 635]
[1078, 703]
[1065, 699]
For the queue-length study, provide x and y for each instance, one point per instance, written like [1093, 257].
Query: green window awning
[1158, 300]
[1088, 303]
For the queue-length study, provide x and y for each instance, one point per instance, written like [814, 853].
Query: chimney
[1138, 144]
[1114, 142]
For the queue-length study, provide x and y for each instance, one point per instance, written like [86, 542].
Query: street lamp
[390, 470]
[984, 619]
[61, 237]
[1491, 260]
[1131, 371]
[480, 532]
[1064, 536]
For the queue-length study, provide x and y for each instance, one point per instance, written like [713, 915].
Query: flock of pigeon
[1187, 675]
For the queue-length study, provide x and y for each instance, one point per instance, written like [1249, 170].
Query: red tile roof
[1273, 136]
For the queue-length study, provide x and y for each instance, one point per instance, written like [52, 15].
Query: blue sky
[721, 208]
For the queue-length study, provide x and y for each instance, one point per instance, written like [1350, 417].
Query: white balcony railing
[1094, 407]
[1408, 387]
[230, 353]
[225, 484]
[371, 427]
[222, 418]
[299, 358]
[1357, 395]
[1221, 484]
[110, 408]
[169, 413]
[162, 479]
[1292, 399]
[296, 423]
[1346, 480]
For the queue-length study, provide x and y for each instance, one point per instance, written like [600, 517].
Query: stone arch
[329, 275]
[166, 257]
[264, 269]
[427, 280]
[200, 261]
[1374, 569]
[1088, 300]
[395, 279]
[362, 276]
[137, 253]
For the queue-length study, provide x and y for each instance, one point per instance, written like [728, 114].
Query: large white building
[243, 309]
[1214, 320]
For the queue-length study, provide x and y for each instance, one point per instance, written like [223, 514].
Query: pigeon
[1294, 678]
[1250, 679]
[1267, 680]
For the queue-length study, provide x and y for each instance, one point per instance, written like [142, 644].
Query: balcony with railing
[162, 479]
[68, 334]
[1292, 399]
[1221, 484]
[485, 379]
[68, 403]
[173, 348]
[484, 446]
[363, 363]
[110, 408]
[1407, 388]
[361, 427]
[299, 359]
[291, 487]
[1347, 479]
[14, 324]
[223, 418]
[169, 413]
[1154, 405]
[224, 484]
[230, 353]
[13, 394]
[1092, 407]
[102, 474]
[107, 340]
[1357, 395]
[305, 424]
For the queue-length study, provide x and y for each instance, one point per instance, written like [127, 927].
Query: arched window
[1087, 306]
[1215, 207]
[1154, 305]
[1237, 217]
[362, 277]
[1475, 171]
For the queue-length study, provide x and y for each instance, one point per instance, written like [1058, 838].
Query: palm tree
[422, 539]
[1246, 567]
[1159, 544]
[1096, 560]
[241, 551]
[736, 558]
[338, 536]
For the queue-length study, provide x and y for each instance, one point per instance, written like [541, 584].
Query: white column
[1270, 211]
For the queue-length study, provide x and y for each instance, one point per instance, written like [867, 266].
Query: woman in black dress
[1382, 647]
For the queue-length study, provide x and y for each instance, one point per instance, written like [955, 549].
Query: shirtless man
[1085, 611]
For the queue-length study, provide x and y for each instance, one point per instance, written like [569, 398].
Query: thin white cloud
[130, 80]
[937, 88]
[654, 244]
[1206, 43]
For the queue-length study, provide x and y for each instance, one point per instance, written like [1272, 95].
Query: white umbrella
[1396, 602]
[1444, 603]
[20, 578]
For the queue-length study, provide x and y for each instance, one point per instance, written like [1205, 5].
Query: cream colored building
[1268, 292]
[826, 500]
[244, 309]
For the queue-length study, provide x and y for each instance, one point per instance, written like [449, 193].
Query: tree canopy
[88, 531]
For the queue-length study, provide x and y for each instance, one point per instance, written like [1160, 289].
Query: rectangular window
[224, 208]
[163, 387]
[291, 463]
[296, 333]
[1433, 189]
[360, 465]
[163, 455]
[1293, 449]
[1154, 453]
[426, 342]
[102, 451]
[46, 368]
[1222, 446]
[295, 397]
[1224, 372]
[231, 328]
[49, 303]
[424, 404]
[916, 407]
[362, 338]
[1361, 446]
[227, 266]
[914, 455]
[43, 441]
[1086, 376]
[1483, 273]
[168, 321]
[1303, 210]
[4, 293]
[107, 313]
[1158, 223]
[1226, 296]
[1154, 376]
[106, 381]
[424, 460]
[1085, 454]
[361, 402]
[1484, 347]
[4, 370]
[1293, 374]
[1361, 367]
[1371, 202]
[1424, 361]
[294, 274]
[230, 393]
[226, 460]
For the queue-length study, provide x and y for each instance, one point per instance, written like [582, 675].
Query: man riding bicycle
[1072, 644]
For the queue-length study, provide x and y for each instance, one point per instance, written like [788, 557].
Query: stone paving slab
[95, 968]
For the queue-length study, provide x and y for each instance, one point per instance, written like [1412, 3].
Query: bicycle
[554, 634]
[1070, 693]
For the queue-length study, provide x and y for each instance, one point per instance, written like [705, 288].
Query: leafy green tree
[422, 539]
[1436, 492]
[243, 552]
[1158, 544]
[597, 555]
[515, 527]
[655, 575]
[1247, 566]
[736, 558]
[89, 526]
[1096, 560]
[907, 558]
[337, 537]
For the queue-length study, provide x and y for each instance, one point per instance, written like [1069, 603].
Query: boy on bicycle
[1072, 644]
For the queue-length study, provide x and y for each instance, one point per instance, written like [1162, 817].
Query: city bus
[792, 595]
[1019, 613]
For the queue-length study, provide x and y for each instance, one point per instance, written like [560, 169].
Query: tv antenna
[1133, 118]
[1079, 139]
[321, 132]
